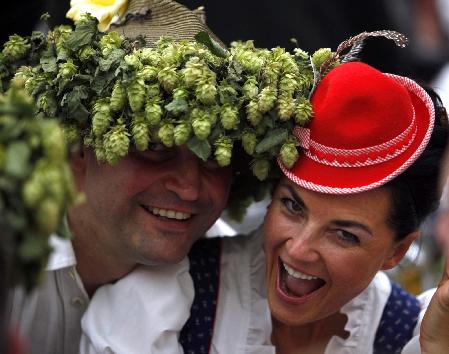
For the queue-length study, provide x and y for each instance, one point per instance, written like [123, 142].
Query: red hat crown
[367, 128]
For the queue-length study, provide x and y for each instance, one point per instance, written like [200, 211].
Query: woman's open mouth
[295, 285]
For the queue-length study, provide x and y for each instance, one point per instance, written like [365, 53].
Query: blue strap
[204, 257]
[397, 322]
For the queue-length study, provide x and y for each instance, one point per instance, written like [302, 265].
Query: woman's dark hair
[416, 192]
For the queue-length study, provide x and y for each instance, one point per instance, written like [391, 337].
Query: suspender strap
[204, 257]
[397, 323]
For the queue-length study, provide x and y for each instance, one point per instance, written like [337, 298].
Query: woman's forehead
[374, 203]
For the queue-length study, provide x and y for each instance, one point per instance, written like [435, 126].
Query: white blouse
[243, 321]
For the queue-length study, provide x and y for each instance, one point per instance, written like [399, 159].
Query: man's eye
[347, 237]
[157, 147]
[292, 206]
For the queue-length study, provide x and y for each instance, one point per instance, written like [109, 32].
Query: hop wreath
[114, 94]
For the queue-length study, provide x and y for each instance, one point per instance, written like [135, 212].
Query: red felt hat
[367, 128]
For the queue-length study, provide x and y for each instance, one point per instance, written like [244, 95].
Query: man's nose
[185, 178]
[304, 246]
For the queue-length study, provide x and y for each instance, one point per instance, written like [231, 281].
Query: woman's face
[323, 250]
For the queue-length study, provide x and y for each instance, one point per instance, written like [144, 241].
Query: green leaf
[216, 49]
[112, 60]
[75, 108]
[273, 138]
[101, 81]
[17, 159]
[49, 64]
[83, 35]
[177, 106]
[201, 148]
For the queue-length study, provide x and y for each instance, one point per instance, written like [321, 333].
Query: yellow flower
[106, 11]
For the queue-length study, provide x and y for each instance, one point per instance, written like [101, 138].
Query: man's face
[151, 207]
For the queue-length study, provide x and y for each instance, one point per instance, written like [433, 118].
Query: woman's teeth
[170, 214]
[296, 274]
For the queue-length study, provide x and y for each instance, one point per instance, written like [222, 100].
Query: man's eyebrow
[295, 196]
[350, 223]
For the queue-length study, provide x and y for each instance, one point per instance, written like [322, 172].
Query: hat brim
[328, 179]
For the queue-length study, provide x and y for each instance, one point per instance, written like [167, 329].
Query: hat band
[367, 156]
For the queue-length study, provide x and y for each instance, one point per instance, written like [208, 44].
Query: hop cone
[15, 48]
[118, 97]
[133, 61]
[320, 56]
[86, 52]
[136, 94]
[47, 216]
[182, 133]
[223, 150]
[289, 65]
[153, 90]
[289, 154]
[180, 93]
[249, 141]
[270, 72]
[140, 132]
[250, 61]
[267, 99]
[33, 190]
[166, 134]
[60, 35]
[206, 92]
[53, 141]
[168, 78]
[250, 88]
[149, 56]
[192, 72]
[109, 42]
[102, 117]
[260, 168]
[153, 113]
[201, 127]
[288, 84]
[116, 142]
[286, 107]
[21, 76]
[47, 104]
[149, 73]
[229, 116]
[303, 111]
[67, 70]
[252, 113]
[100, 151]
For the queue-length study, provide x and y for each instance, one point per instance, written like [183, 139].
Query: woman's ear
[399, 250]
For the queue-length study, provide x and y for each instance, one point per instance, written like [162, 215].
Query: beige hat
[156, 18]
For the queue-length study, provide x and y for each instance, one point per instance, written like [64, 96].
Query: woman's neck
[311, 338]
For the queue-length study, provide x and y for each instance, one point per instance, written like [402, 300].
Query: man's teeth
[170, 214]
[296, 274]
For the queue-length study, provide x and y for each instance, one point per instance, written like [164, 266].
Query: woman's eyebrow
[350, 223]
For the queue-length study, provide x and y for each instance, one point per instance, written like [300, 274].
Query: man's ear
[399, 250]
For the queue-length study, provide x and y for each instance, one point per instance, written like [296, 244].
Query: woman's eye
[347, 237]
[292, 205]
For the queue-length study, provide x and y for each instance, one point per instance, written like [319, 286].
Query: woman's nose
[303, 247]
